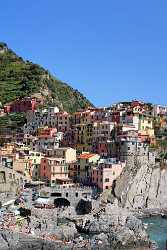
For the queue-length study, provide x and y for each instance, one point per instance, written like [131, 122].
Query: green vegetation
[19, 78]
[12, 121]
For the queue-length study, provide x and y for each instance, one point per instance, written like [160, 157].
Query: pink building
[104, 175]
[52, 170]
[20, 105]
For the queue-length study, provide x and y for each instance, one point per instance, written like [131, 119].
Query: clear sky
[110, 50]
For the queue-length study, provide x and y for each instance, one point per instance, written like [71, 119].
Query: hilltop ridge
[20, 78]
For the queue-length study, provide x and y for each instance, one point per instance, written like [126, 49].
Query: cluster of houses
[89, 147]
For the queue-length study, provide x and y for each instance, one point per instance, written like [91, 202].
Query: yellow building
[146, 126]
[67, 153]
[145, 122]
[23, 166]
[83, 136]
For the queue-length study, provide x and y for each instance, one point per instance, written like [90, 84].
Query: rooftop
[86, 156]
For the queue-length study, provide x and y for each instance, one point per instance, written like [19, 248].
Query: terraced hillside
[20, 78]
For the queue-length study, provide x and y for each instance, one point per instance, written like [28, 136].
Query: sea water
[156, 228]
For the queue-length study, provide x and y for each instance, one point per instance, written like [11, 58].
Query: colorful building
[85, 164]
[105, 173]
[54, 170]
[20, 105]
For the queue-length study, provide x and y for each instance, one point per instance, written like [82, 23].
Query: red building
[115, 117]
[22, 105]
[102, 148]
[47, 132]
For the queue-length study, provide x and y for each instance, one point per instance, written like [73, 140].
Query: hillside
[20, 78]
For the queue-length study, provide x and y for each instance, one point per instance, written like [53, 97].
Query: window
[113, 173]
[106, 187]
[66, 194]
[55, 195]
[76, 194]
[106, 179]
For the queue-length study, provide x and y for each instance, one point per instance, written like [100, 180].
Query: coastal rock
[110, 227]
[122, 237]
[4, 242]
[103, 237]
[117, 227]
[66, 232]
[134, 224]
[16, 241]
[142, 184]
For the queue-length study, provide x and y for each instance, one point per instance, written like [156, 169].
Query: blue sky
[110, 50]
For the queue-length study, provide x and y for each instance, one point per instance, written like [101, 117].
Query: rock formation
[109, 228]
[115, 227]
[142, 183]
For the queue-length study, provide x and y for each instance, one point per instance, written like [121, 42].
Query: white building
[160, 110]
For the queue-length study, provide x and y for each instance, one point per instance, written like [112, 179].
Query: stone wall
[10, 180]
[71, 194]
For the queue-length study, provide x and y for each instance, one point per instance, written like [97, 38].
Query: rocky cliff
[142, 183]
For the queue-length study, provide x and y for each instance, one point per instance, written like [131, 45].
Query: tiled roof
[86, 156]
